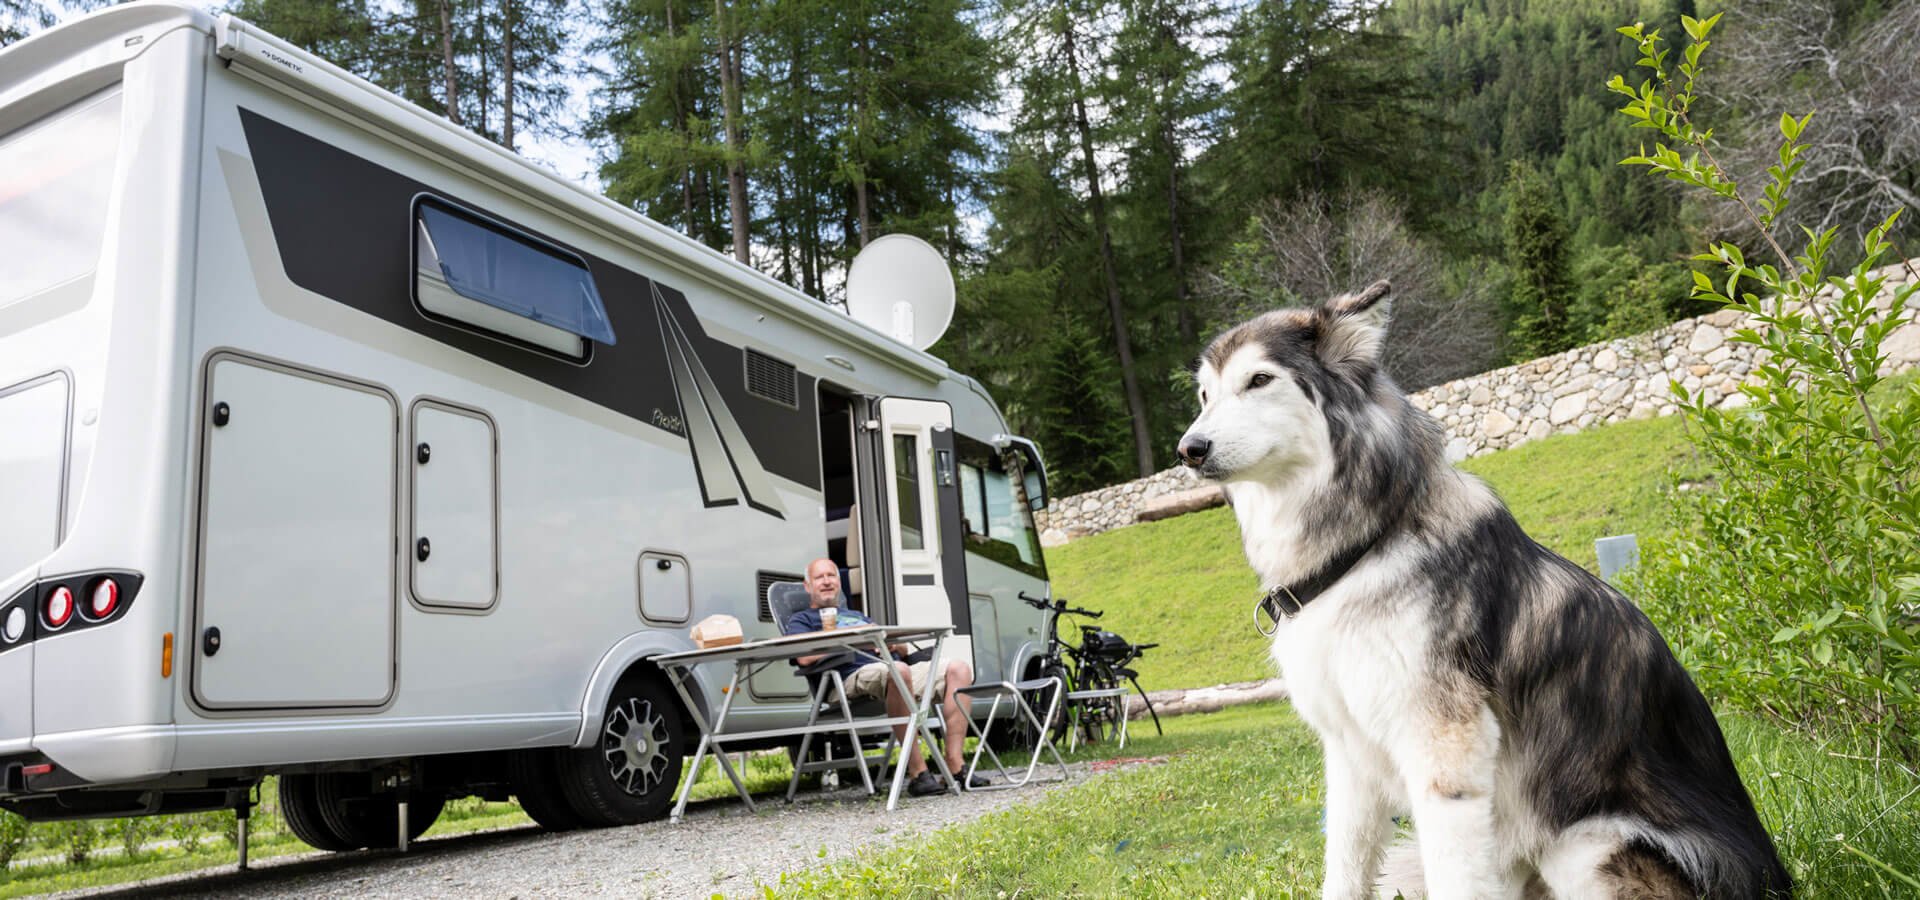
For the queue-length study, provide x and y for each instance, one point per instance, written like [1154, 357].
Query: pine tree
[1537, 254]
[658, 110]
[19, 18]
[1065, 56]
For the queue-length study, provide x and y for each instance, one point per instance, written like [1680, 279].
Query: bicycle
[1099, 662]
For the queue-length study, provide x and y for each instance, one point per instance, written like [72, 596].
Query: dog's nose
[1193, 449]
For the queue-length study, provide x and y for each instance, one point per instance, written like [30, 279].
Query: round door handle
[221, 414]
[422, 453]
[422, 549]
[210, 641]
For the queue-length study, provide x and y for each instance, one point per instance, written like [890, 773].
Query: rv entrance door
[928, 575]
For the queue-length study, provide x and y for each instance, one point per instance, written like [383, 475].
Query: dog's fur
[1527, 714]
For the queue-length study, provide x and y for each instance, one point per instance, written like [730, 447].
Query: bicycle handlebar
[1059, 607]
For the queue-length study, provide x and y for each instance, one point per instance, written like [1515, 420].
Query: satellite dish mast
[900, 286]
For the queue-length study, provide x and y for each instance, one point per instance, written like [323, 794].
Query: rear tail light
[59, 607]
[104, 599]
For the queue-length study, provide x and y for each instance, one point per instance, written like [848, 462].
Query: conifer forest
[1113, 181]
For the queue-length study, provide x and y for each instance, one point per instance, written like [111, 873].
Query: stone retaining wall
[1623, 379]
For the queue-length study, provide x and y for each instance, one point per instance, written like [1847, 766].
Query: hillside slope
[1183, 582]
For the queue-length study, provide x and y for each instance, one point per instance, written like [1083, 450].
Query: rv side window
[54, 176]
[994, 509]
[485, 274]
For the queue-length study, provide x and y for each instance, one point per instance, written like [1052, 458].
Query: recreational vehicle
[342, 445]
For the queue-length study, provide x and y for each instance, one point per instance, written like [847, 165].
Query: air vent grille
[772, 380]
[760, 583]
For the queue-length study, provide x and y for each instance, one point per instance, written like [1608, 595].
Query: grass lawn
[1235, 811]
[1184, 583]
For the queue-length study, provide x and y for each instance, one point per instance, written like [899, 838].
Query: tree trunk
[1122, 345]
[730, 99]
[860, 129]
[680, 127]
[451, 83]
[1183, 307]
[506, 72]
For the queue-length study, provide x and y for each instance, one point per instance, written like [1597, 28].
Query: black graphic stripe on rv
[343, 228]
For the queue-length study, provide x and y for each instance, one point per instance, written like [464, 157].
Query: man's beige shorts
[871, 680]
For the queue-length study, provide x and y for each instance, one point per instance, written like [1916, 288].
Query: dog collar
[1287, 600]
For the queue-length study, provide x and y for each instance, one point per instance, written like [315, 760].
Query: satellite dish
[901, 286]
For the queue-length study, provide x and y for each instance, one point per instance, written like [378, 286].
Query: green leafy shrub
[133, 833]
[1793, 584]
[14, 831]
[78, 839]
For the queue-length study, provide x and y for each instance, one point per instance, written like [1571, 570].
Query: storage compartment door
[298, 540]
[455, 548]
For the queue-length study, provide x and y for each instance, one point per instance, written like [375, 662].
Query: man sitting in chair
[866, 676]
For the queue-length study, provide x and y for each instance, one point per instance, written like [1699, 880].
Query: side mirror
[1024, 455]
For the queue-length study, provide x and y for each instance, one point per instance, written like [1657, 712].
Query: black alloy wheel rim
[634, 743]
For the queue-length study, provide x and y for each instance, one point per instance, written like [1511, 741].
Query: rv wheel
[630, 774]
[300, 807]
[536, 785]
[363, 818]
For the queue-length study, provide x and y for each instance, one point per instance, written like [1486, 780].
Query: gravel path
[719, 848]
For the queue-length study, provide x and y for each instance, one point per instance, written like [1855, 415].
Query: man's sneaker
[927, 783]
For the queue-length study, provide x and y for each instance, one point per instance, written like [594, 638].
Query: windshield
[55, 177]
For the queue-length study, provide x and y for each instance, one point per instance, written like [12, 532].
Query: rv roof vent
[772, 379]
[760, 583]
[900, 286]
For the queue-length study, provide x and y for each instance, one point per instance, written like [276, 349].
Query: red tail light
[59, 607]
[104, 600]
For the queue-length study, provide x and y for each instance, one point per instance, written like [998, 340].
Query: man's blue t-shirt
[809, 620]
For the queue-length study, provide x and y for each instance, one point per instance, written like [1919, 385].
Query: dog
[1528, 716]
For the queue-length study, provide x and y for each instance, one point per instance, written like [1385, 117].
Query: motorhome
[342, 445]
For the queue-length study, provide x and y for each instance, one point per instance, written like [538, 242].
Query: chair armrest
[824, 664]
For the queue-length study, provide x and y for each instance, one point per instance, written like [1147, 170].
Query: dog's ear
[1353, 327]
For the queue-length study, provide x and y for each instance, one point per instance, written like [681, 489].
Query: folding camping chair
[829, 693]
[1018, 692]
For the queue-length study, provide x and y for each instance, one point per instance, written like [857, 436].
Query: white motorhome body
[335, 440]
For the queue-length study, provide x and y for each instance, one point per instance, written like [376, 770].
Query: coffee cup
[828, 618]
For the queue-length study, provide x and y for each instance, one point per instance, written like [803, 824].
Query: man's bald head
[823, 583]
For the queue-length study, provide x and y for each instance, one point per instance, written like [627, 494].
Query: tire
[536, 785]
[1056, 727]
[1013, 733]
[1098, 722]
[630, 774]
[300, 807]
[362, 818]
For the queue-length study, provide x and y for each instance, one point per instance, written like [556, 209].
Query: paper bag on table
[716, 631]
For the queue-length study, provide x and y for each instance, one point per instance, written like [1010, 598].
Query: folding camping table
[755, 656]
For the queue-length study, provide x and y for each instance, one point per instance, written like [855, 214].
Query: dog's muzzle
[1193, 450]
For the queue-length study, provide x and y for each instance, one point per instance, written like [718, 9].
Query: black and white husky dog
[1528, 715]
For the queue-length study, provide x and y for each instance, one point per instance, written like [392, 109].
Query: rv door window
[485, 274]
[906, 461]
[54, 181]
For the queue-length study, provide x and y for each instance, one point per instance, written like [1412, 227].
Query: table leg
[926, 710]
[917, 720]
[678, 676]
[719, 730]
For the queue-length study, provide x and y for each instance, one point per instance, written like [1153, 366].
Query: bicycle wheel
[1099, 720]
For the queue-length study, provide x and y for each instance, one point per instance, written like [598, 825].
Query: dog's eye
[1259, 380]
